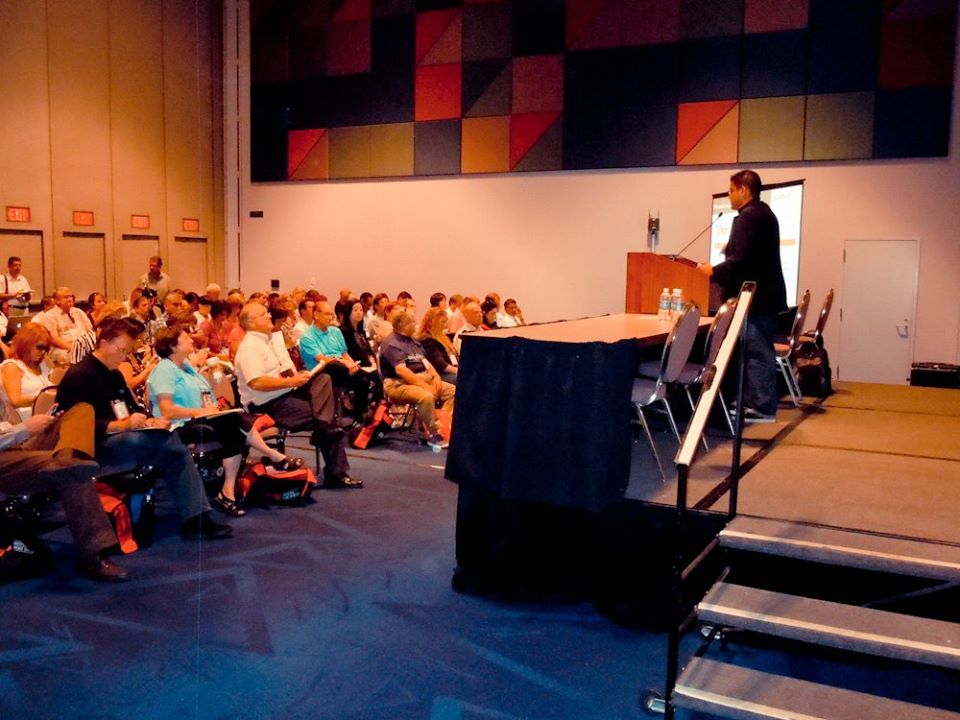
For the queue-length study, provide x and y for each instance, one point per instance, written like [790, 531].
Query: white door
[878, 308]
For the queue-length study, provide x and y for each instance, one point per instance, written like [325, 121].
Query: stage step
[847, 627]
[843, 547]
[734, 692]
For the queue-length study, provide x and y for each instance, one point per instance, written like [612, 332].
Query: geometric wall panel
[839, 127]
[709, 133]
[394, 88]
[771, 129]
[486, 145]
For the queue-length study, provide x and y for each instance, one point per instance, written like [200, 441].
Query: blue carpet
[342, 609]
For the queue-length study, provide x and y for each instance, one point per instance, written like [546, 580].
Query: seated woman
[178, 392]
[26, 373]
[489, 309]
[437, 346]
[358, 348]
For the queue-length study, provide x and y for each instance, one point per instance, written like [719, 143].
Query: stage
[546, 500]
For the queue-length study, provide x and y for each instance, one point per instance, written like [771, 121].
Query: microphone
[697, 237]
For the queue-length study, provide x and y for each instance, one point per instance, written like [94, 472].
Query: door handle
[904, 329]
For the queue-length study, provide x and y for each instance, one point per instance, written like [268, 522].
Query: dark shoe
[754, 417]
[342, 483]
[287, 464]
[326, 434]
[230, 507]
[102, 568]
[203, 526]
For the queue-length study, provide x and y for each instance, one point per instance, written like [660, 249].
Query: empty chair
[676, 352]
[816, 335]
[694, 373]
[784, 351]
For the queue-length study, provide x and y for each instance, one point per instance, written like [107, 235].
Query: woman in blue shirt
[179, 393]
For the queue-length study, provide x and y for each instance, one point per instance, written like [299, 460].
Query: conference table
[541, 450]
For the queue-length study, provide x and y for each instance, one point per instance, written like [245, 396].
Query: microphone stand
[676, 257]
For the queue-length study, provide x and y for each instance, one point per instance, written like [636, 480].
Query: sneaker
[437, 443]
[230, 507]
[754, 417]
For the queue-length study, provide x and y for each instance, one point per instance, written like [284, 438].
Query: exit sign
[18, 214]
[140, 222]
[191, 225]
[83, 218]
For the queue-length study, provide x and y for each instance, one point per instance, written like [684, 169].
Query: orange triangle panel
[353, 10]
[447, 49]
[694, 120]
[430, 26]
[299, 145]
[719, 145]
[525, 131]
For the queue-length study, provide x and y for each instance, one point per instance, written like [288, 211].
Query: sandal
[230, 507]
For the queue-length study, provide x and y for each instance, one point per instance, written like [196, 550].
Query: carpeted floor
[342, 609]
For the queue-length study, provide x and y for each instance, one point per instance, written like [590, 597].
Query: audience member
[489, 314]
[408, 377]
[212, 292]
[378, 327]
[436, 345]
[472, 320]
[305, 313]
[296, 401]
[26, 373]
[65, 323]
[155, 278]
[68, 468]
[355, 337]
[512, 315]
[95, 301]
[453, 303]
[215, 332]
[182, 395]
[322, 343]
[16, 288]
[457, 319]
[126, 436]
[438, 299]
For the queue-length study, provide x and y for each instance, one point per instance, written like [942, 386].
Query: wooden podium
[648, 274]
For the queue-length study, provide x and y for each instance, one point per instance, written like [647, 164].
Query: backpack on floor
[259, 486]
[813, 370]
[22, 554]
[375, 430]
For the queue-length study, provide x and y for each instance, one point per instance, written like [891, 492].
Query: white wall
[557, 241]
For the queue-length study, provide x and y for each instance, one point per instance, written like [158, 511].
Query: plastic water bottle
[676, 303]
[663, 310]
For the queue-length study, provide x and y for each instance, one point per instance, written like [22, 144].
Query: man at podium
[753, 254]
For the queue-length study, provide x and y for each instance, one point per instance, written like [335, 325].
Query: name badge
[120, 409]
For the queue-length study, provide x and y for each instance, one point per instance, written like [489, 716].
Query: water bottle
[663, 309]
[676, 303]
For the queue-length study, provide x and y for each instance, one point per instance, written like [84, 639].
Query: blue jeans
[760, 381]
[164, 451]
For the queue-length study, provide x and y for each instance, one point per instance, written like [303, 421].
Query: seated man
[69, 469]
[65, 323]
[408, 377]
[512, 315]
[120, 423]
[324, 343]
[295, 401]
[472, 321]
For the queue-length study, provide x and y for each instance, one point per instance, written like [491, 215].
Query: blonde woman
[437, 346]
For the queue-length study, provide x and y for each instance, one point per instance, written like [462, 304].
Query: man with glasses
[127, 437]
[753, 254]
[295, 401]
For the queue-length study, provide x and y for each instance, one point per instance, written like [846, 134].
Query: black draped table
[541, 450]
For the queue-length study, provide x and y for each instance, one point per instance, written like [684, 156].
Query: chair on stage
[694, 373]
[785, 351]
[676, 353]
[816, 335]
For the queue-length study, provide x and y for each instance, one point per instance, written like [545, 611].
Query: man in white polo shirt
[295, 401]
